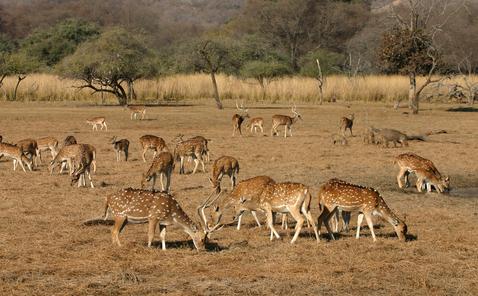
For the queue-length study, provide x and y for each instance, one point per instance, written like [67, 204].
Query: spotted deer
[29, 148]
[426, 172]
[162, 166]
[291, 198]
[47, 144]
[69, 140]
[137, 205]
[136, 111]
[16, 153]
[150, 142]
[71, 155]
[286, 121]
[120, 146]
[224, 165]
[180, 138]
[97, 121]
[346, 123]
[238, 119]
[189, 148]
[256, 124]
[84, 159]
[337, 194]
[248, 190]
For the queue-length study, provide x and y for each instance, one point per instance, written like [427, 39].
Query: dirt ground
[45, 249]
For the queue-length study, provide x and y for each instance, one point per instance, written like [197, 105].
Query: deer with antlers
[136, 111]
[137, 205]
[238, 119]
[224, 165]
[97, 121]
[286, 121]
[426, 172]
[162, 166]
[346, 123]
[337, 194]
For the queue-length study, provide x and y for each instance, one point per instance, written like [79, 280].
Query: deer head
[296, 114]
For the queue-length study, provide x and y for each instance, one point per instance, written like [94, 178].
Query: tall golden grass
[374, 88]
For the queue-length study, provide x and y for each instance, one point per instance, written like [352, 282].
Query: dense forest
[115, 42]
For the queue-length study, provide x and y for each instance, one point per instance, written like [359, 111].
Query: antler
[294, 109]
[206, 204]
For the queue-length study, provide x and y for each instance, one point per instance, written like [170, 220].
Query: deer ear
[242, 200]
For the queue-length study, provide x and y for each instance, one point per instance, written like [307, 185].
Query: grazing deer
[337, 194]
[65, 157]
[29, 148]
[224, 165]
[136, 205]
[16, 153]
[152, 142]
[292, 198]
[85, 159]
[286, 121]
[180, 138]
[162, 165]
[69, 140]
[347, 123]
[120, 146]
[190, 148]
[91, 150]
[47, 144]
[425, 170]
[256, 124]
[136, 111]
[95, 121]
[238, 119]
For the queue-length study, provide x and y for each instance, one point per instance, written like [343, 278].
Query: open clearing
[45, 250]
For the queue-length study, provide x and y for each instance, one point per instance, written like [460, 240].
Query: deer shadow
[210, 246]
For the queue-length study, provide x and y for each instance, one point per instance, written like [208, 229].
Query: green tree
[50, 45]
[105, 64]
[264, 72]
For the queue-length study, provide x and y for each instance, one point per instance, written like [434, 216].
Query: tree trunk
[20, 78]
[121, 95]
[131, 92]
[1, 80]
[413, 97]
[216, 92]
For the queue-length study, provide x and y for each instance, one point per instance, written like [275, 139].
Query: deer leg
[151, 228]
[168, 181]
[120, 222]
[153, 182]
[368, 218]
[239, 221]
[144, 153]
[359, 223]
[181, 165]
[402, 173]
[284, 224]
[270, 223]
[295, 213]
[202, 164]
[329, 216]
[89, 178]
[346, 220]
[196, 164]
[419, 184]
[290, 130]
[106, 127]
[310, 220]
[161, 175]
[162, 235]
[255, 217]
[285, 131]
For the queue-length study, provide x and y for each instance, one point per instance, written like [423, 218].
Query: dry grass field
[45, 249]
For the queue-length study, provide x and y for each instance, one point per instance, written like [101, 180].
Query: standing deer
[190, 148]
[180, 138]
[249, 190]
[84, 158]
[16, 153]
[286, 121]
[120, 146]
[136, 205]
[337, 194]
[95, 121]
[136, 111]
[347, 123]
[162, 165]
[238, 119]
[155, 143]
[47, 144]
[224, 165]
[256, 124]
[29, 148]
[427, 173]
